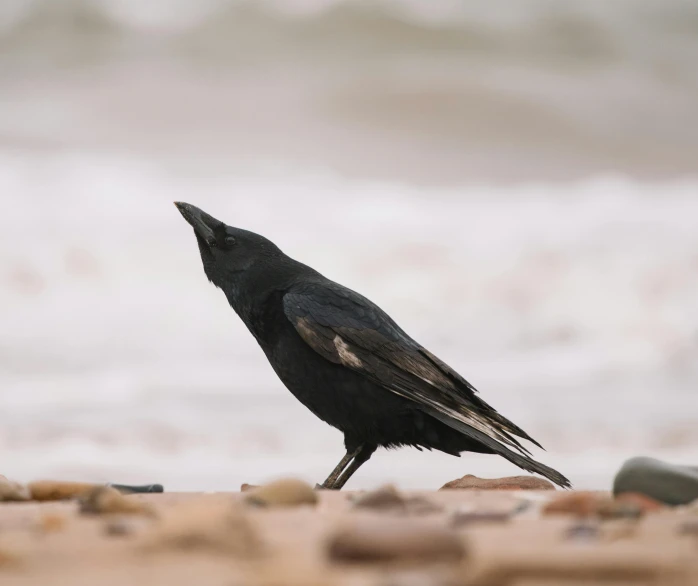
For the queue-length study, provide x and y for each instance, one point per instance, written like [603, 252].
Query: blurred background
[516, 183]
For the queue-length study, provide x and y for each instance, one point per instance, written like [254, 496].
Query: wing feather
[345, 328]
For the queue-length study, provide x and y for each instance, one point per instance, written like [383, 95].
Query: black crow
[347, 361]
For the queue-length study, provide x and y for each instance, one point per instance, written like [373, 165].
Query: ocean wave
[571, 307]
[595, 30]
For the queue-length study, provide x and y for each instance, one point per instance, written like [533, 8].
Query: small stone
[470, 482]
[391, 539]
[246, 487]
[105, 500]
[641, 501]
[580, 504]
[120, 527]
[521, 507]
[462, 519]
[620, 531]
[418, 505]
[618, 509]
[388, 499]
[585, 504]
[207, 524]
[13, 491]
[287, 492]
[689, 527]
[382, 499]
[583, 532]
[51, 490]
[661, 481]
[10, 556]
[52, 523]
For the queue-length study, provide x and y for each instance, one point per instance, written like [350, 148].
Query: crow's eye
[229, 241]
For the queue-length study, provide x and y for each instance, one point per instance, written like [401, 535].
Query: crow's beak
[202, 223]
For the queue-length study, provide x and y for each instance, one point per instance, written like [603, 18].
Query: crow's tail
[520, 460]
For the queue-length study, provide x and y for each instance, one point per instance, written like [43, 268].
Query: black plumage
[347, 361]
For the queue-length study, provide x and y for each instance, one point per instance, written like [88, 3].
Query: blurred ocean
[516, 183]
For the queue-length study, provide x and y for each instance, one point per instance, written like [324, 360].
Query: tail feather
[471, 394]
[520, 460]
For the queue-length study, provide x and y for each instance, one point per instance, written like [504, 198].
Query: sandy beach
[462, 537]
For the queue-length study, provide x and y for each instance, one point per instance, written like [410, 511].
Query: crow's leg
[339, 468]
[362, 455]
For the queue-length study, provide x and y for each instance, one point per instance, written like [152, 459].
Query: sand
[501, 537]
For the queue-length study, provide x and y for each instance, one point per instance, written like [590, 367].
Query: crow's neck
[252, 290]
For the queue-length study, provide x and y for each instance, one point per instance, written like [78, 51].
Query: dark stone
[661, 481]
[462, 519]
[144, 488]
[583, 532]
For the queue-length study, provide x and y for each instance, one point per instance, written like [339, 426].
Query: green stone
[664, 482]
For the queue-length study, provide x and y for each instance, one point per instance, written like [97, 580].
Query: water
[571, 308]
[517, 188]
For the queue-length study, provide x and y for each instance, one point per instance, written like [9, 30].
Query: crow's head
[227, 252]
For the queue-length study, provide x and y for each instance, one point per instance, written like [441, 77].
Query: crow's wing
[346, 328]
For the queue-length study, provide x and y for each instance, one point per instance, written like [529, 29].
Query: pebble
[13, 491]
[372, 540]
[661, 481]
[615, 509]
[213, 524]
[388, 499]
[418, 505]
[286, 492]
[644, 503]
[689, 527]
[620, 531]
[10, 557]
[52, 523]
[583, 532]
[105, 500]
[122, 526]
[52, 490]
[462, 519]
[384, 498]
[580, 504]
[586, 504]
[470, 482]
